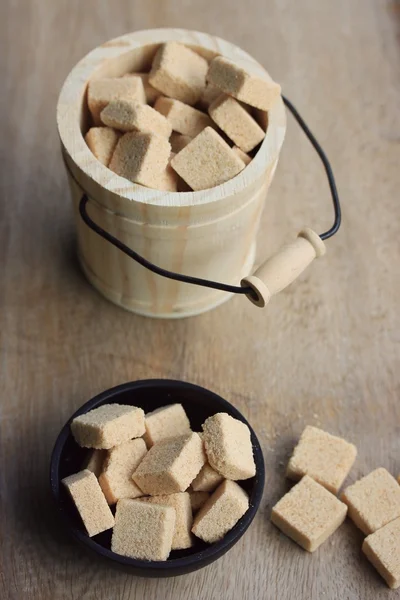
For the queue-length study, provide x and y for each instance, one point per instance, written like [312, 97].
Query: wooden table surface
[325, 352]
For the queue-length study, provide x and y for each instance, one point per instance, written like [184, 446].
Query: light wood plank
[325, 351]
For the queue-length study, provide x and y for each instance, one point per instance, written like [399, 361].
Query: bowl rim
[209, 554]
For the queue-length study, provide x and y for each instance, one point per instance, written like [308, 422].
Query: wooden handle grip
[281, 269]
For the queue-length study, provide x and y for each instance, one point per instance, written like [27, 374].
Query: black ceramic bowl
[199, 403]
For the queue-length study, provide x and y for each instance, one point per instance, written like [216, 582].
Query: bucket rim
[73, 93]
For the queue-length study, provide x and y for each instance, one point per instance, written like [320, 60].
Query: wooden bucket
[209, 234]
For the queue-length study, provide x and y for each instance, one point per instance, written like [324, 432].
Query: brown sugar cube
[308, 514]
[171, 465]
[108, 426]
[165, 422]
[208, 96]
[141, 157]
[142, 530]
[179, 72]
[228, 447]
[183, 118]
[167, 180]
[181, 503]
[150, 92]
[102, 91]
[197, 500]
[207, 480]
[242, 155]
[88, 498]
[178, 141]
[324, 457]
[128, 115]
[221, 512]
[373, 501]
[94, 461]
[382, 549]
[238, 82]
[236, 122]
[116, 478]
[218, 162]
[102, 142]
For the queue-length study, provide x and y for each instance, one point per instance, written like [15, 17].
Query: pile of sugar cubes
[310, 512]
[186, 125]
[167, 481]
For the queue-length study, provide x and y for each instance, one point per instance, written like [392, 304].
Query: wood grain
[284, 266]
[210, 233]
[325, 351]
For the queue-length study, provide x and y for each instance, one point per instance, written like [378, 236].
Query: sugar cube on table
[179, 72]
[108, 426]
[242, 84]
[220, 512]
[183, 118]
[197, 500]
[207, 480]
[181, 503]
[142, 530]
[236, 122]
[129, 115]
[373, 501]
[382, 549]
[170, 465]
[218, 161]
[141, 157]
[102, 142]
[228, 446]
[308, 514]
[165, 422]
[88, 498]
[116, 477]
[324, 457]
[150, 92]
[103, 91]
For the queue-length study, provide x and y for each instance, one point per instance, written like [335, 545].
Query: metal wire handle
[207, 282]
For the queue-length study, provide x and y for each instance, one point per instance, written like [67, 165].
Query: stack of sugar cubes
[186, 125]
[310, 512]
[167, 481]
